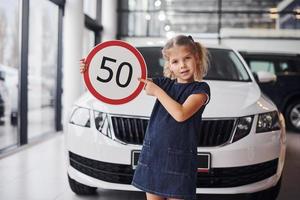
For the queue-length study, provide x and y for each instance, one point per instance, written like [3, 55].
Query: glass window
[241, 73]
[289, 66]
[9, 69]
[262, 65]
[164, 17]
[154, 60]
[81, 117]
[248, 20]
[225, 65]
[138, 23]
[42, 64]
[137, 4]
[284, 67]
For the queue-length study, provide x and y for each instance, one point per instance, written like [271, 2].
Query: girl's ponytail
[203, 57]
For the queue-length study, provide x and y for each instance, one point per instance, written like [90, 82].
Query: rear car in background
[9, 90]
[284, 91]
[2, 108]
[241, 148]
[2, 91]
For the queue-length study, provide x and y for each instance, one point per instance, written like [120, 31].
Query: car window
[289, 66]
[80, 117]
[154, 60]
[284, 67]
[262, 65]
[241, 72]
[224, 64]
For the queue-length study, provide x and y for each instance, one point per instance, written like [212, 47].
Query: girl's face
[182, 62]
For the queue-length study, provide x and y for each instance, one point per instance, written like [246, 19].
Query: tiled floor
[38, 173]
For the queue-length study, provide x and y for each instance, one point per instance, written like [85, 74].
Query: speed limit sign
[113, 69]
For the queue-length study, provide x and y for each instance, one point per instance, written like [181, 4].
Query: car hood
[228, 99]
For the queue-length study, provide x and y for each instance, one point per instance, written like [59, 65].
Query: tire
[292, 114]
[80, 188]
[269, 194]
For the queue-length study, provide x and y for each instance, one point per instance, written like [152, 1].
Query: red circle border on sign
[138, 55]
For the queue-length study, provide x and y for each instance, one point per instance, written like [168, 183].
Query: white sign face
[113, 71]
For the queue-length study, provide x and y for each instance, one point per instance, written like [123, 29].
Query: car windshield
[223, 65]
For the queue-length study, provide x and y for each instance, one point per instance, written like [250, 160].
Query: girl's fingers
[82, 61]
[144, 81]
[82, 65]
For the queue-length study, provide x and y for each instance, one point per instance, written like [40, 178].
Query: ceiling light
[157, 3]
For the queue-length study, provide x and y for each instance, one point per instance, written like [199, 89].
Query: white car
[242, 137]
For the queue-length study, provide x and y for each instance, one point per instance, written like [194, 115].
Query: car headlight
[267, 122]
[102, 123]
[80, 117]
[243, 127]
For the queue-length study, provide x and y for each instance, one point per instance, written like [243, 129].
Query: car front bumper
[251, 164]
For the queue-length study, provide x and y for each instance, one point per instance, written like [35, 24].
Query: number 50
[109, 70]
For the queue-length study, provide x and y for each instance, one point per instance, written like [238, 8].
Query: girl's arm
[179, 112]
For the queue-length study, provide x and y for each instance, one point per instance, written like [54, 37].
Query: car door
[288, 76]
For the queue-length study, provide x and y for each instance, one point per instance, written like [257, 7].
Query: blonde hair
[195, 47]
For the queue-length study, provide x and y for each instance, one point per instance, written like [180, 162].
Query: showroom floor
[38, 172]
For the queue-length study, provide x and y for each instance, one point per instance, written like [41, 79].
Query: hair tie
[190, 37]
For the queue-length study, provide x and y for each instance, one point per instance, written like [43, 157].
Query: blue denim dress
[167, 165]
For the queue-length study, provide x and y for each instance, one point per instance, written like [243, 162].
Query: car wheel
[292, 116]
[80, 188]
[269, 194]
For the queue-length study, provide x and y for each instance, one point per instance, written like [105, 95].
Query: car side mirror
[266, 77]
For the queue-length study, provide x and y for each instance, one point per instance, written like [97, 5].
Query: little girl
[167, 166]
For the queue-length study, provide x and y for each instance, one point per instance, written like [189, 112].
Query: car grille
[130, 130]
[216, 178]
[212, 132]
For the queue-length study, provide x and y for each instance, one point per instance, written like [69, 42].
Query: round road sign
[113, 69]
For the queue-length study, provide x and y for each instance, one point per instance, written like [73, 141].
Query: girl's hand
[83, 66]
[150, 87]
